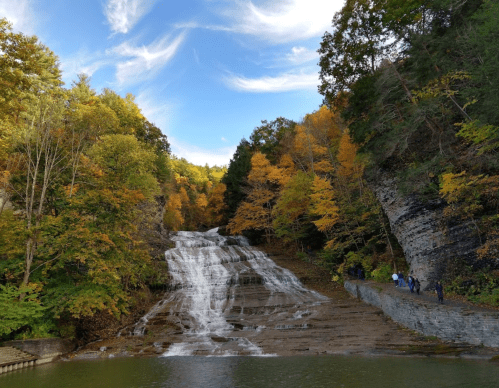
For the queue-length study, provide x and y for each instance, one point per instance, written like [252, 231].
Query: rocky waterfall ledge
[429, 318]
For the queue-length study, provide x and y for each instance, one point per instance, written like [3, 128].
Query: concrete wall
[432, 319]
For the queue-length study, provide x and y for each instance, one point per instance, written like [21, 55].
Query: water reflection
[257, 372]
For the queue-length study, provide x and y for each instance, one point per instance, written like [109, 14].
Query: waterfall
[225, 295]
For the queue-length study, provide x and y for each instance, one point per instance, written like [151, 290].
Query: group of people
[413, 283]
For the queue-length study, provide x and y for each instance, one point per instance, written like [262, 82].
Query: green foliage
[124, 159]
[383, 273]
[18, 307]
[267, 137]
[354, 49]
[235, 177]
[291, 208]
[477, 286]
[484, 136]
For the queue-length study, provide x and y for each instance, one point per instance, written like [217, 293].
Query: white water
[208, 272]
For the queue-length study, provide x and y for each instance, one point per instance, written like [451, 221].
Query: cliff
[430, 242]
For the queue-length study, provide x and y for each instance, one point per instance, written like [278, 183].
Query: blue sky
[204, 71]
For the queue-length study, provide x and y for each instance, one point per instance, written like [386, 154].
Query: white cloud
[283, 21]
[281, 83]
[122, 15]
[82, 62]
[156, 111]
[20, 14]
[201, 156]
[145, 61]
[223, 139]
[300, 55]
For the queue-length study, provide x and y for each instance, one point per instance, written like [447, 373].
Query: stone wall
[428, 241]
[46, 350]
[431, 319]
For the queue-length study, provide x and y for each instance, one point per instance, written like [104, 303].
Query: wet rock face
[429, 242]
[228, 299]
[226, 295]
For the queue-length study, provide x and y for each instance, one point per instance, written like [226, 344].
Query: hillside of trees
[81, 178]
[410, 90]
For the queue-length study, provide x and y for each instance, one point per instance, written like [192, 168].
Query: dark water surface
[258, 372]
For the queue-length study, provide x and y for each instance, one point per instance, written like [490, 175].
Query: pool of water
[258, 372]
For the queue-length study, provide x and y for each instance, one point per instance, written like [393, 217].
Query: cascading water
[226, 296]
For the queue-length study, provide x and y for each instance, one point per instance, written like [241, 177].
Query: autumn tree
[255, 212]
[216, 205]
[291, 209]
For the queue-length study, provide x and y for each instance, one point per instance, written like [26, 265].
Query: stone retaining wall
[45, 350]
[431, 319]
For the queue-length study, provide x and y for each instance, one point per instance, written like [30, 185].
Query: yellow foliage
[202, 201]
[346, 156]
[323, 204]
[264, 181]
[216, 204]
[173, 215]
[184, 198]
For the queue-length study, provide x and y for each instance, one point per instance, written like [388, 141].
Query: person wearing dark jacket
[401, 279]
[410, 283]
[417, 285]
[440, 292]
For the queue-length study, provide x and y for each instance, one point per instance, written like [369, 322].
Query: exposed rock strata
[428, 241]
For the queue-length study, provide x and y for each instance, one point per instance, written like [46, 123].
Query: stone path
[12, 359]
[429, 296]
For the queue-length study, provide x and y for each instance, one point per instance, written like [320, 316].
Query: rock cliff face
[429, 242]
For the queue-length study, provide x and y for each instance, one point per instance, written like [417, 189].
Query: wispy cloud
[299, 55]
[201, 156]
[20, 14]
[155, 110]
[281, 83]
[82, 62]
[283, 21]
[122, 15]
[145, 61]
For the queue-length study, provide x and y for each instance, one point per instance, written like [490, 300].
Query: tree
[235, 177]
[216, 205]
[267, 137]
[355, 49]
[323, 205]
[255, 212]
[17, 307]
[126, 161]
[290, 212]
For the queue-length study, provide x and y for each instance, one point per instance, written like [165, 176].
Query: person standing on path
[410, 282]
[440, 292]
[395, 278]
[401, 279]
[417, 285]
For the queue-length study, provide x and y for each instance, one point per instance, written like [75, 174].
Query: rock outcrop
[429, 241]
